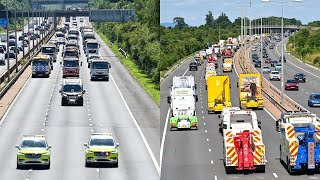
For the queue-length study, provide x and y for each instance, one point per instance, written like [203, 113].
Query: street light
[282, 45]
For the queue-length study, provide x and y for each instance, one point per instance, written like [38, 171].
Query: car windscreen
[101, 142]
[40, 63]
[60, 35]
[316, 96]
[92, 45]
[291, 81]
[71, 53]
[48, 50]
[71, 63]
[73, 37]
[72, 88]
[33, 144]
[99, 65]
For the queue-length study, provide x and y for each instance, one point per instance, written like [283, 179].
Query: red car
[213, 59]
[268, 60]
[292, 85]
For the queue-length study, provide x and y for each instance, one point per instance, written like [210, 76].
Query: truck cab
[51, 50]
[295, 117]
[72, 92]
[71, 67]
[182, 102]
[41, 66]
[99, 69]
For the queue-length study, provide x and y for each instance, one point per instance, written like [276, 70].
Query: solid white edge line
[13, 102]
[163, 138]
[215, 178]
[138, 128]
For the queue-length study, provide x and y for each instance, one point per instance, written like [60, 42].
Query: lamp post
[282, 45]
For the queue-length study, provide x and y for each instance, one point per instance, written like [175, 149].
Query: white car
[275, 75]
[254, 49]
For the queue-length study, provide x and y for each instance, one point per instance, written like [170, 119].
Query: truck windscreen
[68, 63]
[71, 88]
[40, 63]
[99, 65]
[48, 50]
[92, 45]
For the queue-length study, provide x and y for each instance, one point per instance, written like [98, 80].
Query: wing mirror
[219, 116]
[17, 146]
[60, 91]
[51, 67]
[84, 91]
[85, 144]
[109, 65]
[169, 100]
[49, 147]
[278, 125]
[60, 62]
[81, 64]
[196, 97]
[117, 145]
[259, 124]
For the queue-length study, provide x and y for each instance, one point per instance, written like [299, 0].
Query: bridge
[97, 15]
[276, 28]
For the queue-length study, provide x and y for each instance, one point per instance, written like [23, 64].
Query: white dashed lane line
[275, 175]
[209, 150]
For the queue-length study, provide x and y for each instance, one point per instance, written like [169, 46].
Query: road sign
[3, 22]
[35, 5]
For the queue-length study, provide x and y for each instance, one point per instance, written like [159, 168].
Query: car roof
[34, 137]
[275, 71]
[101, 136]
[72, 81]
[299, 74]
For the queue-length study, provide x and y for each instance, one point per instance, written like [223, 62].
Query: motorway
[12, 61]
[197, 154]
[37, 110]
[291, 67]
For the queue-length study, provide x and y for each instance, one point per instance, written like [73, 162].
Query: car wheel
[116, 164]
[19, 166]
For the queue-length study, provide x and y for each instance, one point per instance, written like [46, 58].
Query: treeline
[314, 24]
[182, 40]
[305, 44]
[139, 39]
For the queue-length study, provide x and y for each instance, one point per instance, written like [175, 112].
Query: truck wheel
[228, 170]
[289, 167]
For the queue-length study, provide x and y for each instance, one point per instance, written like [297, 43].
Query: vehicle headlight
[114, 152]
[20, 154]
[46, 154]
[89, 152]
[64, 95]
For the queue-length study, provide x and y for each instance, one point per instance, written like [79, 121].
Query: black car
[3, 46]
[14, 49]
[254, 59]
[11, 55]
[274, 62]
[12, 42]
[257, 63]
[21, 38]
[25, 34]
[284, 59]
[300, 77]
[36, 35]
[193, 66]
[265, 55]
[11, 36]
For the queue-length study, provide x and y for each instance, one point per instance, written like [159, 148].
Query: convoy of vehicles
[219, 97]
[182, 101]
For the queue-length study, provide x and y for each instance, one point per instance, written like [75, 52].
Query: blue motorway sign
[35, 5]
[3, 22]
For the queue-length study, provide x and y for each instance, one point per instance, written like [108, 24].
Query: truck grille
[33, 155]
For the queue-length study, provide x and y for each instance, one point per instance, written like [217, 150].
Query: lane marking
[208, 139]
[209, 150]
[205, 131]
[138, 128]
[275, 175]
[212, 162]
[185, 72]
[215, 178]
[164, 137]
[14, 101]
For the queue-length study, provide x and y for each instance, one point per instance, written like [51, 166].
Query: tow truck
[182, 102]
[299, 142]
[242, 142]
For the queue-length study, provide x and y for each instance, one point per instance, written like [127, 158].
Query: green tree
[210, 19]
[179, 22]
[223, 21]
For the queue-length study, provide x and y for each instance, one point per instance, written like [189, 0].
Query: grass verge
[151, 88]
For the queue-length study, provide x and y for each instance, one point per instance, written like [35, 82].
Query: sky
[194, 11]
